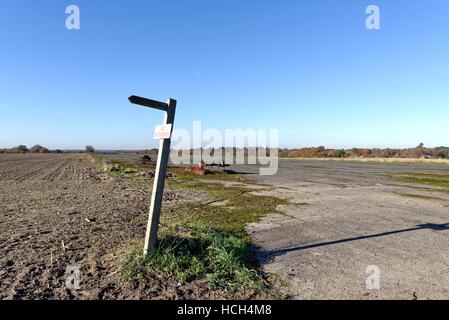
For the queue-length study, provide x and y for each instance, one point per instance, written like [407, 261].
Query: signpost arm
[159, 180]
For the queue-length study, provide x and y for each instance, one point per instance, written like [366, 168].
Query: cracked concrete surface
[344, 217]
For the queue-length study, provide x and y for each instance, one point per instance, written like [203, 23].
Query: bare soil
[59, 211]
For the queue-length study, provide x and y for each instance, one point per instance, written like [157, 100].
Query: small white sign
[162, 131]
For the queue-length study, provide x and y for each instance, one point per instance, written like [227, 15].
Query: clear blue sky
[309, 68]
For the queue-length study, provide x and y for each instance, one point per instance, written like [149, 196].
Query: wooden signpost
[162, 132]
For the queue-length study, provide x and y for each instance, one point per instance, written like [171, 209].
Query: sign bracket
[169, 109]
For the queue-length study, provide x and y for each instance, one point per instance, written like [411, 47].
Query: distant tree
[39, 149]
[443, 153]
[419, 151]
[341, 153]
[283, 153]
[336, 153]
[387, 153]
[90, 149]
[365, 153]
[354, 152]
[19, 149]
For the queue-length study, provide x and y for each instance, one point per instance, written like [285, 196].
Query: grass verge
[196, 252]
[204, 242]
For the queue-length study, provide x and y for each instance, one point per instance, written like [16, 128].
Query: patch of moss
[424, 180]
[439, 181]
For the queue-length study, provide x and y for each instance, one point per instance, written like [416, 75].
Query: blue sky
[309, 68]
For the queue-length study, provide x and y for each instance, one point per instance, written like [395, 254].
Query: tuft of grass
[220, 257]
[118, 169]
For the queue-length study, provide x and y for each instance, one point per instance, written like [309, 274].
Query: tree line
[40, 149]
[418, 152]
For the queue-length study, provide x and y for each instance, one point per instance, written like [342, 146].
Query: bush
[443, 153]
[90, 149]
[39, 149]
[19, 149]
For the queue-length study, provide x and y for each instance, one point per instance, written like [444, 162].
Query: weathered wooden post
[163, 133]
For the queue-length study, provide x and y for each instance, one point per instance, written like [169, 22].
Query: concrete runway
[353, 232]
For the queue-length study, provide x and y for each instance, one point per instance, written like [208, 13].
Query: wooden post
[161, 169]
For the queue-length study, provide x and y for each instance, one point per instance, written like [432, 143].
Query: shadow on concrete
[268, 255]
[237, 172]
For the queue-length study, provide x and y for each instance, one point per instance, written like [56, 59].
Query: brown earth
[59, 211]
